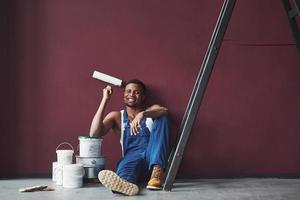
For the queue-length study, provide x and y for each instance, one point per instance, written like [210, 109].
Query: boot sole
[112, 181]
[153, 187]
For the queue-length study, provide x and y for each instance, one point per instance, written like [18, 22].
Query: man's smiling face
[133, 96]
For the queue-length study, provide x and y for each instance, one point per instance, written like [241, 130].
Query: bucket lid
[89, 138]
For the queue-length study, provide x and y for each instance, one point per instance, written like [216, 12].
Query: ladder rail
[292, 13]
[198, 91]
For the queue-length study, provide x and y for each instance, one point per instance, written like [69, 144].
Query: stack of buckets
[90, 157]
[64, 172]
[89, 163]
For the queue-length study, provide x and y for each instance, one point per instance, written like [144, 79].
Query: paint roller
[108, 79]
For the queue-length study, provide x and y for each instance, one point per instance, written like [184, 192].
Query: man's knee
[161, 120]
[161, 125]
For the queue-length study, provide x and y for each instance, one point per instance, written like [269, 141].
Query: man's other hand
[136, 123]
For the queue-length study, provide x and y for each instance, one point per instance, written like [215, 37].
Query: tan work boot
[156, 180]
[112, 181]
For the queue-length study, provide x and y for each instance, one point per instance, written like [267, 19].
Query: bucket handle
[64, 143]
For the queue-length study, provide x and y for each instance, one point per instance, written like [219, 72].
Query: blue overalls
[140, 152]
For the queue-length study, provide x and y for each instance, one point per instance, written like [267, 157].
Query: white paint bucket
[73, 176]
[59, 174]
[89, 146]
[64, 156]
[54, 166]
[90, 161]
[92, 172]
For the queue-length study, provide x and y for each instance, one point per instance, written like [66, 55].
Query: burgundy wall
[248, 122]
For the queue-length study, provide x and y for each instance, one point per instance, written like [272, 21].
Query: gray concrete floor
[206, 189]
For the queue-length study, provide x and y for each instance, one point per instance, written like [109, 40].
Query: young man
[144, 137]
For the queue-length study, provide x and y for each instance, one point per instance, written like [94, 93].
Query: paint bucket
[54, 166]
[59, 174]
[89, 146]
[92, 172]
[90, 161]
[64, 156]
[92, 165]
[73, 176]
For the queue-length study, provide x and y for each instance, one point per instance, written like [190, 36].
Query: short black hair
[139, 82]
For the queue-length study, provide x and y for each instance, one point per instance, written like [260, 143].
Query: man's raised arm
[100, 126]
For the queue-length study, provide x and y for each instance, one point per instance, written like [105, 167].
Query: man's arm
[100, 126]
[153, 112]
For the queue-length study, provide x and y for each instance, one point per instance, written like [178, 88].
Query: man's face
[133, 97]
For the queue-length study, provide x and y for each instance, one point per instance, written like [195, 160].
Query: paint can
[64, 156]
[90, 161]
[54, 166]
[92, 172]
[92, 165]
[59, 174]
[89, 146]
[73, 176]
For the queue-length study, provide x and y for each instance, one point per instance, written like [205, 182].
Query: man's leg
[129, 168]
[124, 180]
[116, 184]
[158, 151]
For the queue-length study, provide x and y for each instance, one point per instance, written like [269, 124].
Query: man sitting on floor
[144, 137]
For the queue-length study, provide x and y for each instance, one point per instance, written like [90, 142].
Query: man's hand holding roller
[107, 92]
[99, 125]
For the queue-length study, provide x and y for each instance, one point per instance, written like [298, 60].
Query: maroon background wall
[248, 123]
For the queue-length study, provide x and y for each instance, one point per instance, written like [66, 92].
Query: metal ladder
[203, 78]
[198, 92]
[292, 12]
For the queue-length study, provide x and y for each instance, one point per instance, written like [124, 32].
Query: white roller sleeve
[107, 78]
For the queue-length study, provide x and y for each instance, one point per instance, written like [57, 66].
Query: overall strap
[123, 124]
